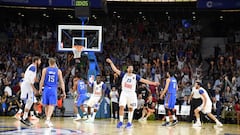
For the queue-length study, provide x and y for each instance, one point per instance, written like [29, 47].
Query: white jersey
[30, 74]
[203, 91]
[98, 88]
[129, 82]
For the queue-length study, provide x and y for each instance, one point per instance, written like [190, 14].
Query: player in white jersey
[205, 107]
[27, 88]
[98, 93]
[128, 95]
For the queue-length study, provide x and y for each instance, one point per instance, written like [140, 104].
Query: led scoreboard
[82, 8]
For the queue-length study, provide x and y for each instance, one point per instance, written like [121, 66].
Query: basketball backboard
[86, 35]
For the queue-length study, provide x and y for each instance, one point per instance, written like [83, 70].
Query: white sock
[121, 118]
[89, 116]
[217, 121]
[48, 118]
[25, 115]
[167, 119]
[130, 116]
[37, 112]
[198, 120]
[93, 115]
[19, 111]
[174, 117]
[78, 115]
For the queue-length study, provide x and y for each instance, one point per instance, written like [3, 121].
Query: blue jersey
[81, 87]
[51, 77]
[172, 88]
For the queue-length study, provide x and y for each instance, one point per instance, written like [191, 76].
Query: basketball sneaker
[26, 122]
[166, 124]
[141, 119]
[197, 124]
[129, 125]
[85, 117]
[77, 119]
[120, 124]
[48, 123]
[219, 124]
[174, 122]
[90, 120]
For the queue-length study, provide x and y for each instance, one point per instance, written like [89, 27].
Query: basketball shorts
[27, 92]
[49, 96]
[129, 99]
[81, 99]
[208, 108]
[170, 101]
[93, 101]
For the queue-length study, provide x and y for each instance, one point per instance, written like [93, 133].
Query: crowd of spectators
[152, 46]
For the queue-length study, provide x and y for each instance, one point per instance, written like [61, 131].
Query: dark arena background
[198, 39]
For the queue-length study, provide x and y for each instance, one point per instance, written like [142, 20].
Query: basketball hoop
[77, 50]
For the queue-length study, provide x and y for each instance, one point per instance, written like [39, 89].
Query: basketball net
[77, 50]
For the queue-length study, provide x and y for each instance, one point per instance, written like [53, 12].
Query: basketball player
[170, 99]
[205, 107]
[95, 100]
[81, 88]
[128, 95]
[28, 90]
[49, 82]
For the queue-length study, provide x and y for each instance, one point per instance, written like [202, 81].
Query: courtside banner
[48, 3]
[218, 4]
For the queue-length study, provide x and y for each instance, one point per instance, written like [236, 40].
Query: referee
[196, 101]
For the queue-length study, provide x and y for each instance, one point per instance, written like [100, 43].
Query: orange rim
[79, 48]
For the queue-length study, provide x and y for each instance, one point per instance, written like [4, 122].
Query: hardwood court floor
[66, 125]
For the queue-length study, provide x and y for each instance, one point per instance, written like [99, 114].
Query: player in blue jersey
[170, 98]
[49, 82]
[81, 88]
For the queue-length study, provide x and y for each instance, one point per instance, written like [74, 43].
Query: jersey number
[82, 86]
[51, 78]
[174, 85]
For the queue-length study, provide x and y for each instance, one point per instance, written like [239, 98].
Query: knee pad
[28, 104]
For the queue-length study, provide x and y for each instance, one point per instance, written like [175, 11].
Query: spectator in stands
[216, 107]
[3, 105]
[237, 110]
[185, 101]
[114, 102]
[228, 94]
[148, 109]
[144, 90]
[228, 110]
[7, 89]
[60, 102]
[140, 104]
[13, 105]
